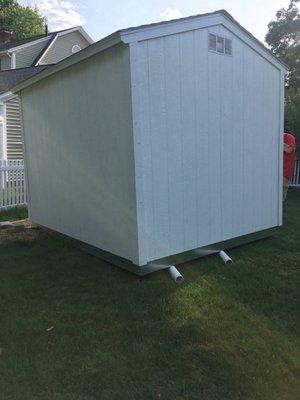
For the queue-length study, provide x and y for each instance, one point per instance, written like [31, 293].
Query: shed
[158, 144]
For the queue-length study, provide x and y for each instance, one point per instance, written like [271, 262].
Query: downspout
[3, 144]
[12, 57]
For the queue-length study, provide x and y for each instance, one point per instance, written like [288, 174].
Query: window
[212, 42]
[219, 44]
[228, 46]
[76, 48]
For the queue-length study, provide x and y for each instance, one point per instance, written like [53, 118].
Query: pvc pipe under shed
[225, 258]
[175, 274]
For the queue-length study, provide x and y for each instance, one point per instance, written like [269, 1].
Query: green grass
[13, 214]
[75, 328]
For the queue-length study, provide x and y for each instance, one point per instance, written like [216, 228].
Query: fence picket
[295, 181]
[12, 185]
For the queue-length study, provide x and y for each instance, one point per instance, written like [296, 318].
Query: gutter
[6, 96]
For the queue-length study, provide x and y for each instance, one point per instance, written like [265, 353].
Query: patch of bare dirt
[23, 230]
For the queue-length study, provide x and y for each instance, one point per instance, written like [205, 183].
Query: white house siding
[2, 132]
[78, 142]
[26, 56]
[13, 129]
[62, 47]
[208, 130]
[5, 63]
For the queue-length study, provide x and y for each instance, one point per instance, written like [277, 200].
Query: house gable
[43, 50]
[26, 56]
[62, 46]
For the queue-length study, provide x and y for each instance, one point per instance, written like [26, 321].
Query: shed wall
[208, 129]
[78, 145]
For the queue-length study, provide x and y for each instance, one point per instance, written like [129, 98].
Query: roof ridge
[116, 38]
[49, 35]
[66, 29]
[11, 45]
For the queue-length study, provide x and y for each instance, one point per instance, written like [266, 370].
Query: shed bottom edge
[176, 259]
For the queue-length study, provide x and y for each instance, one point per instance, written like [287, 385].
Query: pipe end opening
[179, 280]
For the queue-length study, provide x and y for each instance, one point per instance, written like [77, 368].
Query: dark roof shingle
[12, 77]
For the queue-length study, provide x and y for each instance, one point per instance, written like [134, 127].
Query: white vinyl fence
[295, 181]
[12, 184]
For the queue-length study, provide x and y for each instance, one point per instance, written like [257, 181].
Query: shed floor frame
[176, 259]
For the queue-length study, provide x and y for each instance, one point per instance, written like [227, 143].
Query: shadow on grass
[74, 327]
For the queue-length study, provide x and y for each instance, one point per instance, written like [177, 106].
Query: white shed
[159, 143]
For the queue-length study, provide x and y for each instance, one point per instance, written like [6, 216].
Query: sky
[103, 17]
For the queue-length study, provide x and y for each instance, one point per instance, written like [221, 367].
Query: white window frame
[223, 37]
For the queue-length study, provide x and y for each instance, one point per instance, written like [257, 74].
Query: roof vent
[76, 48]
[219, 44]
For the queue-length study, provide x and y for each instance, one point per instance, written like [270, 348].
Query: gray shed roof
[12, 77]
[116, 38]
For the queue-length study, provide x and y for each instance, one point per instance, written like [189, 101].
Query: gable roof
[150, 31]
[10, 46]
[12, 77]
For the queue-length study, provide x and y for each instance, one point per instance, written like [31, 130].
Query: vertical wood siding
[79, 152]
[13, 129]
[209, 139]
[62, 47]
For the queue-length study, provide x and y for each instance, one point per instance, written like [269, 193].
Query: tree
[23, 21]
[283, 38]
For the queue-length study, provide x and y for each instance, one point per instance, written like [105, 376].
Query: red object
[289, 158]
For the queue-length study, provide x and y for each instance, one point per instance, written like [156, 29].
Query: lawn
[13, 214]
[75, 328]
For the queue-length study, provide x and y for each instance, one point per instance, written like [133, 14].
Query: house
[20, 60]
[173, 134]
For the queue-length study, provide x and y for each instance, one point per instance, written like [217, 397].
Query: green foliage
[23, 21]
[7, 3]
[13, 214]
[283, 38]
[292, 113]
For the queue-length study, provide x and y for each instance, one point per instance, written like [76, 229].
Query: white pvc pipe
[175, 275]
[225, 258]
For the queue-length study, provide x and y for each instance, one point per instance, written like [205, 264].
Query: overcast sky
[102, 17]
